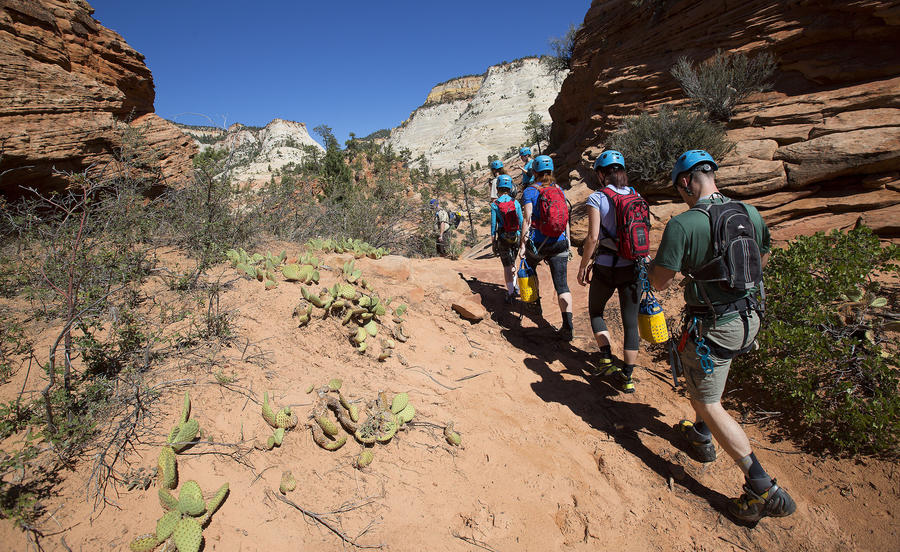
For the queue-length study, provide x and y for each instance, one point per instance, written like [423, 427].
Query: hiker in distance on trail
[617, 240]
[506, 225]
[528, 174]
[441, 228]
[497, 170]
[545, 235]
[722, 317]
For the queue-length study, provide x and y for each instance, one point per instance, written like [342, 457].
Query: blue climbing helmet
[504, 181]
[525, 152]
[609, 157]
[496, 164]
[542, 163]
[691, 159]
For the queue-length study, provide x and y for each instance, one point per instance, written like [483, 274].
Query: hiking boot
[775, 502]
[510, 297]
[626, 383]
[702, 445]
[566, 334]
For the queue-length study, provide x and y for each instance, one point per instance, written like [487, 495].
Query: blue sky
[355, 66]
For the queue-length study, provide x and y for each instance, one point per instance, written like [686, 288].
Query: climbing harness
[693, 328]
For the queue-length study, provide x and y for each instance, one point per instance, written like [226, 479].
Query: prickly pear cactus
[288, 482]
[190, 499]
[407, 414]
[399, 403]
[186, 434]
[291, 272]
[214, 503]
[166, 525]
[279, 436]
[168, 472]
[188, 535]
[285, 419]
[452, 436]
[267, 413]
[144, 543]
[166, 500]
[323, 441]
[365, 458]
[327, 425]
[185, 408]
[371, 328]
[335, 384]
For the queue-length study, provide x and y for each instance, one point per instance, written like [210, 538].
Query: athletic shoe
[566, 334]
[704, 449]
[626, 383]
[775, 502]
[510, 297]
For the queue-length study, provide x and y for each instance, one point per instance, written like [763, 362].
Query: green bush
[825, 359]
[652, 142]
[720, 83]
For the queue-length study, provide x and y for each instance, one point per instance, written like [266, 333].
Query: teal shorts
[733, 335]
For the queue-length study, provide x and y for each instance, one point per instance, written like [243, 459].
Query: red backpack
[553, 211]
[509, 219]
[632, 224]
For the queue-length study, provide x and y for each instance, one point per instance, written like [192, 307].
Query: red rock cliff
[67, 88]
[824, 142]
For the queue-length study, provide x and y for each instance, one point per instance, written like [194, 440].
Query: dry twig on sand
[320, 518]
[472, 541]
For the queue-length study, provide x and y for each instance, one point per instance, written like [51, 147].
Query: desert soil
[551, 458]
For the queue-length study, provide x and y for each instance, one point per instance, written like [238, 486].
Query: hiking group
[719, 245]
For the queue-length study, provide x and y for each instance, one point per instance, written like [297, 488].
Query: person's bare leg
[728, 433]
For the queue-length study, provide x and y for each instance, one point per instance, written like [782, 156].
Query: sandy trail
[551, 459]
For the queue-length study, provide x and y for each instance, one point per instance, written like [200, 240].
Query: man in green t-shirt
[725, 320]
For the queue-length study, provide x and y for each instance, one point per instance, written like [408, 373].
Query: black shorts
[557, 256]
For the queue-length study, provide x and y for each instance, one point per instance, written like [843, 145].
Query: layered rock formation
[257, 153]
[822, 146]
[68, 88]
[466, 119]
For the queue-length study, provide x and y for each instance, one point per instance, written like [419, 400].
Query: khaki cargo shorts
[733, 335]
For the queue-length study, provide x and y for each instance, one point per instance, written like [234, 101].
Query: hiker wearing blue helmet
[723, 277]
[506, 225]
[527, 167]
[545, 235]
[496, 170]
[607, 270]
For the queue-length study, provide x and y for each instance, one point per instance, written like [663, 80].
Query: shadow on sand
[591, 398]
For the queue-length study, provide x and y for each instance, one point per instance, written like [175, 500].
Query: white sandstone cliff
[463, 122]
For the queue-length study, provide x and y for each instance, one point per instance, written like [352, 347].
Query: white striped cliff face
[465, 120]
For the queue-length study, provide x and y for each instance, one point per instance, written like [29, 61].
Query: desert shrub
[825, 358]
[720, 83]
[562, 48]
[651, 142]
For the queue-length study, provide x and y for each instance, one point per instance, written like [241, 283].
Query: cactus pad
[286, 419]
[168, 473]
[310, 389]
[271, 284]
[365, 458]
[279, 436]
[335, 384]
[379, 427]
[188, 535]
[406, 414]
[144, 543]
[187, 432]
[214, 504]
[291, 272]
[267, 413]
[190, 499]
[327, 425]
[166, 525]
[371, 328]
[354, 412]
[452, 437]
[186, 408]
[166, 500]
[270, 442]
[399, 403]
[323, 441]
[288, 483]
[361, 335]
